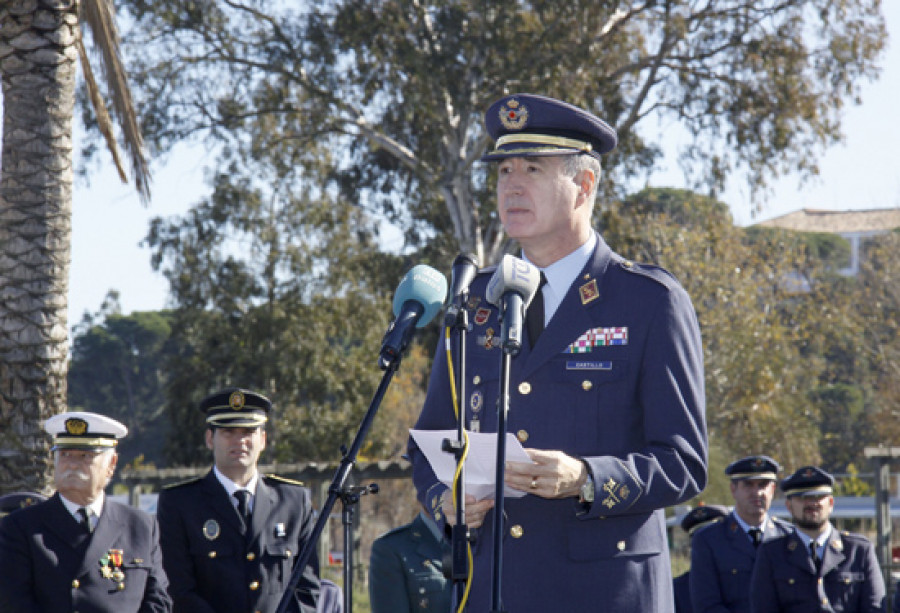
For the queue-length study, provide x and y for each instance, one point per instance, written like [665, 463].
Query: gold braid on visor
[545, 139]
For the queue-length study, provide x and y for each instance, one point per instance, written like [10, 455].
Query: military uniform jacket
[406, 571]
[722, 558]
[615, 379]
[682, 588]
[785, 579]
[215, 568]
[49, 563]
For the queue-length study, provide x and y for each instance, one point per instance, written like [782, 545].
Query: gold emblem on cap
[211, 530]
[76, 426]
[236, 400]
[513, 115]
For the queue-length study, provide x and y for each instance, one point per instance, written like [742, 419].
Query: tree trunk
[37, 63]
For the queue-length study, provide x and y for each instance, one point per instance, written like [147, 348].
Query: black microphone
[511, 289]
[464, 268]
[417, 300]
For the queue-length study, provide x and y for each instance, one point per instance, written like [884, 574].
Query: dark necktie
[85, 514]
[534, 315]
[243, 506]
[755, 536]
[813, 552]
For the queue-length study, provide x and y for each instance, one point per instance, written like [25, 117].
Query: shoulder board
[853, 536]
[396, 530]
[649, 271]
[278, 479]
[180, 483]
[705, 525]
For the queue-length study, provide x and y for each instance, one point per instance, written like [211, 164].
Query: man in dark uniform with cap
[406, 569]
[80, 551]
[230, 539]
[722, 556]
[692, 521]
[816, 568]
[606, 394]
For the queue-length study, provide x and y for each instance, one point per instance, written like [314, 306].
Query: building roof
[837, 222]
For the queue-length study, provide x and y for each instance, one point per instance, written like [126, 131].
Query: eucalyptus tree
[396, 88]
[40, 43]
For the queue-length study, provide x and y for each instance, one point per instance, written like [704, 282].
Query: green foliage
[755, 383]
[801, 363]
[389, 95]
[282, 293]
[852, 485]
[118, 369]
[844, 428]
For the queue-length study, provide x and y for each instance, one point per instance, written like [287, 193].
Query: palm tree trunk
[38, 67]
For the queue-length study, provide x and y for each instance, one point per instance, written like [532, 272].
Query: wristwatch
[587, 491]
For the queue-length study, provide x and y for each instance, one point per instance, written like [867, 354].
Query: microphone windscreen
[425, 285]
[461, 274]
[513, 275]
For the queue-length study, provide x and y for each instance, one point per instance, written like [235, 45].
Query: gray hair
[573, 164]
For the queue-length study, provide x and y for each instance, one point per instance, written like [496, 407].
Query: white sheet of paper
[481, 462]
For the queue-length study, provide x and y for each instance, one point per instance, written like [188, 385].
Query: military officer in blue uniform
[692, 521]
[406, 570]
[78, 550]
[722, 556]
[608, 400]
[816, 568]
[230, 539]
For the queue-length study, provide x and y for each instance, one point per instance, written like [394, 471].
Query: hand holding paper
[481, 462]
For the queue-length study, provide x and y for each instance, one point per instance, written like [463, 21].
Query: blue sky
[108, 222]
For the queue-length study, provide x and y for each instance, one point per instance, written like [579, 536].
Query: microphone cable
[463, 456]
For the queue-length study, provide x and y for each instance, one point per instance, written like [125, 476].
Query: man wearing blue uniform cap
[230, 539]
[816, 568]
[722, 556]
[606, 395]
[692, 522]
[78, 550]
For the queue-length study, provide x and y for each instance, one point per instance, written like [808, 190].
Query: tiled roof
[837, 222]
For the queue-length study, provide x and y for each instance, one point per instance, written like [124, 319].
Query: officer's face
[236, 450]
[80, 475]
[752, 498]
[810, 512]
[541, 206]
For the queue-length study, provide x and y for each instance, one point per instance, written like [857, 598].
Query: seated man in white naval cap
[80, 551]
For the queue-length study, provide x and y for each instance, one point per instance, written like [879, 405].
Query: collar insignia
[589, 292]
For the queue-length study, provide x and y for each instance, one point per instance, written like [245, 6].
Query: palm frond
[99, 17]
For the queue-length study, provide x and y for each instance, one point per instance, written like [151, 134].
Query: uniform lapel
[833, 553]
[109, 528]
[739, 539]
[221, 502]
[263, 503]
[798, 554]
[422, 538]
[575, 315]
[61, 523]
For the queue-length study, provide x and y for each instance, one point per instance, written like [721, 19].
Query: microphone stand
[459, 533]
[350, 496]
[510, 348]
[390, 364]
